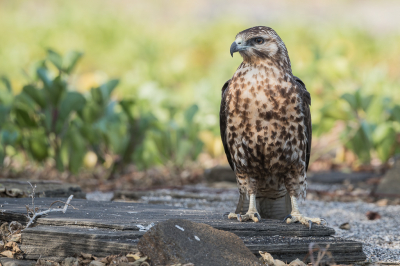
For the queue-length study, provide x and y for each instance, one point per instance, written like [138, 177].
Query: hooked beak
[236, 48]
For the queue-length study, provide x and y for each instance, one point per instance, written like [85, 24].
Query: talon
[226, 214]
[257, 216]
[287, 217]
[239, 217]
[310, 223]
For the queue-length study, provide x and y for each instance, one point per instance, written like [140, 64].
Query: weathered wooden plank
[54, 242]
[104, 228]
[290, 248]
[44, 188]
[271, 228]
[125, 216]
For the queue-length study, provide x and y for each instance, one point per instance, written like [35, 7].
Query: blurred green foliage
[167, 64]
[48, 119]
[372, 123]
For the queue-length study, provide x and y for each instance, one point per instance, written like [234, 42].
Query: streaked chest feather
[264, 115]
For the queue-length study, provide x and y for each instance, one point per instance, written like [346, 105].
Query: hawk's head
[260, 43]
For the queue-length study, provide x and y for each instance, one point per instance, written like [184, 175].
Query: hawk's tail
[268, 208]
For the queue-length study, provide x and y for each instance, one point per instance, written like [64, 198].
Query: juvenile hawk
[265, 124]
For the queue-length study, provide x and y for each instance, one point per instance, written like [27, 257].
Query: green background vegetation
[171, 66]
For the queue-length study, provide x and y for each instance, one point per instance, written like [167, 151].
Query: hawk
[265, 125]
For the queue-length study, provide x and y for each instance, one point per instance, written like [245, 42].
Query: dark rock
[182, 241]
[219, 174]
[390, 183]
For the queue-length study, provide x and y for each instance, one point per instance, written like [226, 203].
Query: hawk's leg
[252, 213]
[296, 216]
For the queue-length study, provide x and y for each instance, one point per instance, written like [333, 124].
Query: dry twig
[321, 253]
[36, 214]
[34, 211]
[11, 233]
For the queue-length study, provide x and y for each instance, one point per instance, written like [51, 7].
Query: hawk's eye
[259, 40]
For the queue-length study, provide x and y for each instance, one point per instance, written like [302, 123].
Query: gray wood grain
[44, 188]
[104, 228]
[54, 242]
[125, 216]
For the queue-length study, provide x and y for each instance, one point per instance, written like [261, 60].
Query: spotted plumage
[265, 118]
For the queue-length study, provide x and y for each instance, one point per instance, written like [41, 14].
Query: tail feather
[268, 208]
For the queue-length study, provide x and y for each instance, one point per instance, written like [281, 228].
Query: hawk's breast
[265, 122]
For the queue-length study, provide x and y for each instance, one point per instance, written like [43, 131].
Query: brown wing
[307, 117]
[223, 122]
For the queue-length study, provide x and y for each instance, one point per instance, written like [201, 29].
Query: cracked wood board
[56, 243]
[44, 188]
[59, 242]
[103, 228]
[290, 248]
[125, 216]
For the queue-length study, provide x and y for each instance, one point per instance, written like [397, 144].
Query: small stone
[373, 215]
[345, 226]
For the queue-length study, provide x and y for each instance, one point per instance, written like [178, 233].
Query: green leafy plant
[9, 134]
[372, 124]
[43, 113]
[48, 119]
[177, 141]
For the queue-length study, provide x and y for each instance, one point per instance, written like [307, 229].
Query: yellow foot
[255, 216]
[231, 215]
[242, 218]
[298, 217]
